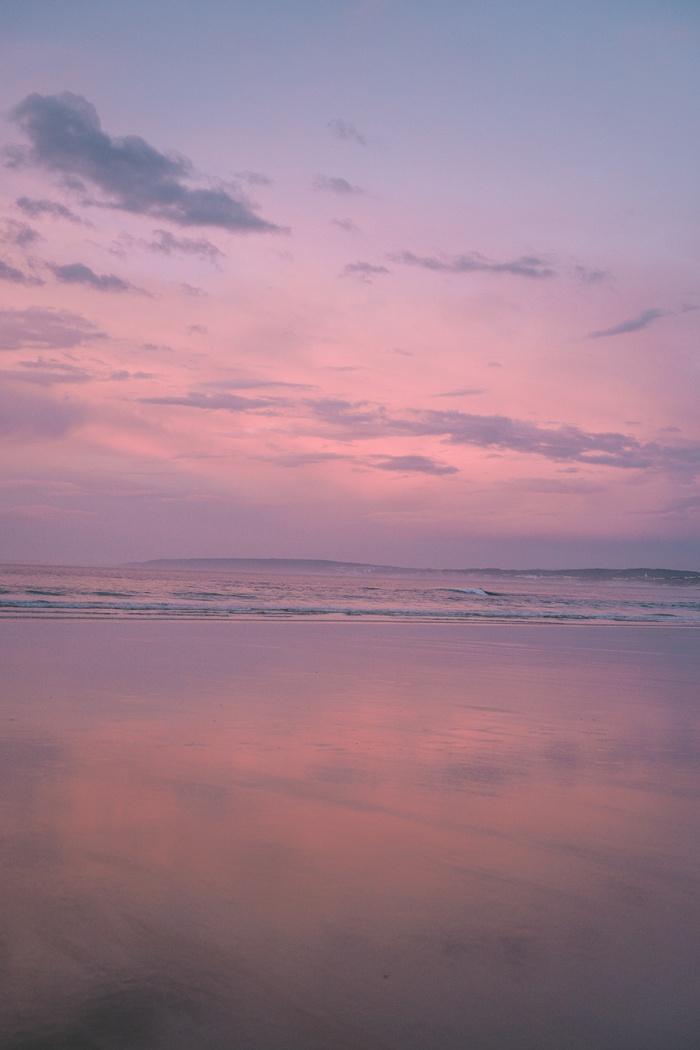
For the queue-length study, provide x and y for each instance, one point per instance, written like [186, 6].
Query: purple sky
[374, 281]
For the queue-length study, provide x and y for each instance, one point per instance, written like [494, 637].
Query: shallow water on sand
[318, 835]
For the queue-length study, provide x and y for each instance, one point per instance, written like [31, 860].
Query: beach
[329, 835]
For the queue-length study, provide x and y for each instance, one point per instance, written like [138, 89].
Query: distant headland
[320, 566]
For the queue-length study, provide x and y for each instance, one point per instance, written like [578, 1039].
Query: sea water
[118, 593]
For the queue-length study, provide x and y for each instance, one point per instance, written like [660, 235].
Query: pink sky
[344, 281]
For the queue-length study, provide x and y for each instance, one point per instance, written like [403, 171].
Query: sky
[367, 280]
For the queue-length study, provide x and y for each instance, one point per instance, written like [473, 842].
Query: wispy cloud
[45, 329]
[346, 224]
[48, 373]
[336, 184]
[472, 262]
[227, 402]
[32, 206]
[345, 130]
[467, 391]
[635, 324]
[66, 138]
[253, 178]
[15, 276]
[414, 465]
[590, 276]
[364, 270]
[79, 273]
[166, 243]
[19, 233]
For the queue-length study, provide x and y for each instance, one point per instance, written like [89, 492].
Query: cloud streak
[166, 243]
[346, 131]
[79, 273]
[525, 266]
[336, 184]
[66, 138]
[364, 270]
[36, 207]
[415, 465]
[635, 324]
[15, 276]
[45, 329]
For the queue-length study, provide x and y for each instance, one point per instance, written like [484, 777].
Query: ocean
[331, 812]
[57, 592]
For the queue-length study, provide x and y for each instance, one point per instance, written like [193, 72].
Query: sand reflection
[315, 835]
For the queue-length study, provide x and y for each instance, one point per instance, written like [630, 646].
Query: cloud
[166, 243]
[588, 276]
[468, 391]
[562, 444]
[66, 138]
[566, 487]
[635, 324]
[346, 224]
[558, 443]
[415, 465]
[33, 207]
[44, 329]
[227, 402]
[78, 273]
[19, 233]
[254, 178]
[49, 373]
[304, 459]
[364, 270]
[343, 129]
[334, 184]
[15, 276]
[525, 266]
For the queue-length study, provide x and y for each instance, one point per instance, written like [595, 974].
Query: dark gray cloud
[635, 324]
[335, 184]
[415, 465]
[525, 266]
[15, 276]
[66, 137]
[34, 207]
[79, 273]
[364, 270]
[44, 329]
[166, 243]
[346, 224]
[345, 130]
[19, 233]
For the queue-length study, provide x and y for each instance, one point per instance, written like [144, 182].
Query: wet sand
[309, 835]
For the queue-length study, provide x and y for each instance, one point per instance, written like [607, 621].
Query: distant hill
[320, 566]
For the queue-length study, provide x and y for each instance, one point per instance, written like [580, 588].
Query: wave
[17, 608]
